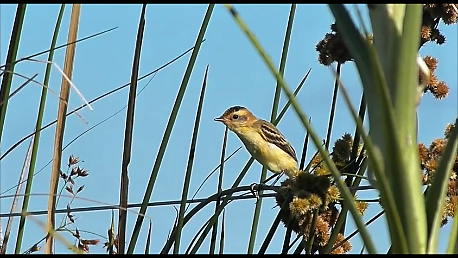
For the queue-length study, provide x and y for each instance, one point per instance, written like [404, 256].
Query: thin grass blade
[168, 130]
[187, 179]
[127, 145]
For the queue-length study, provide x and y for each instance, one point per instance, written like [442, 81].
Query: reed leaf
[401, 74]
[7, 79]
[60, 127]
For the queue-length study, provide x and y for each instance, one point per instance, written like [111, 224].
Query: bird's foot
[255, 192]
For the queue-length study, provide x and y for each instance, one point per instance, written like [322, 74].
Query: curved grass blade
[7, 79]
[148, 239]
[316, 140]
[127, 146]
[187, 179]
[284, 55]
[220, 188]
[436, 192]
[169, 128]
[195, 237]
[96, 99]
[60, 127]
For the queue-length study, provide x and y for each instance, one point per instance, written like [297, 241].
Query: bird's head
[236, 117]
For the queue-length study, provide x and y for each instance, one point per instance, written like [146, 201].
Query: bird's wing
[271, 134]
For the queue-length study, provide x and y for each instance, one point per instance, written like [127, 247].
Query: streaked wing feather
[272, 135]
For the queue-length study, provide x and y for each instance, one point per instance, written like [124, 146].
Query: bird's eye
[235, 117]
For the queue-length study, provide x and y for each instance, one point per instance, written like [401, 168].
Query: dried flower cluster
[432, 15]
[439, 89]
[332, 48]
[429, 160]
[341, 154]
[299, 197]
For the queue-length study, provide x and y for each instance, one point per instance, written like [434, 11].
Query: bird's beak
[219, 119]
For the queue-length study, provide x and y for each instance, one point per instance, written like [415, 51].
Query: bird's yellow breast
[268, 154]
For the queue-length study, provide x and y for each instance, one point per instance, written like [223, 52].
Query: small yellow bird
[262, 139]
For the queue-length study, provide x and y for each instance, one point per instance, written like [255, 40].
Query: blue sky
[237, 76]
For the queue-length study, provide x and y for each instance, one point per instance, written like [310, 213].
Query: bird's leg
[254, 191]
